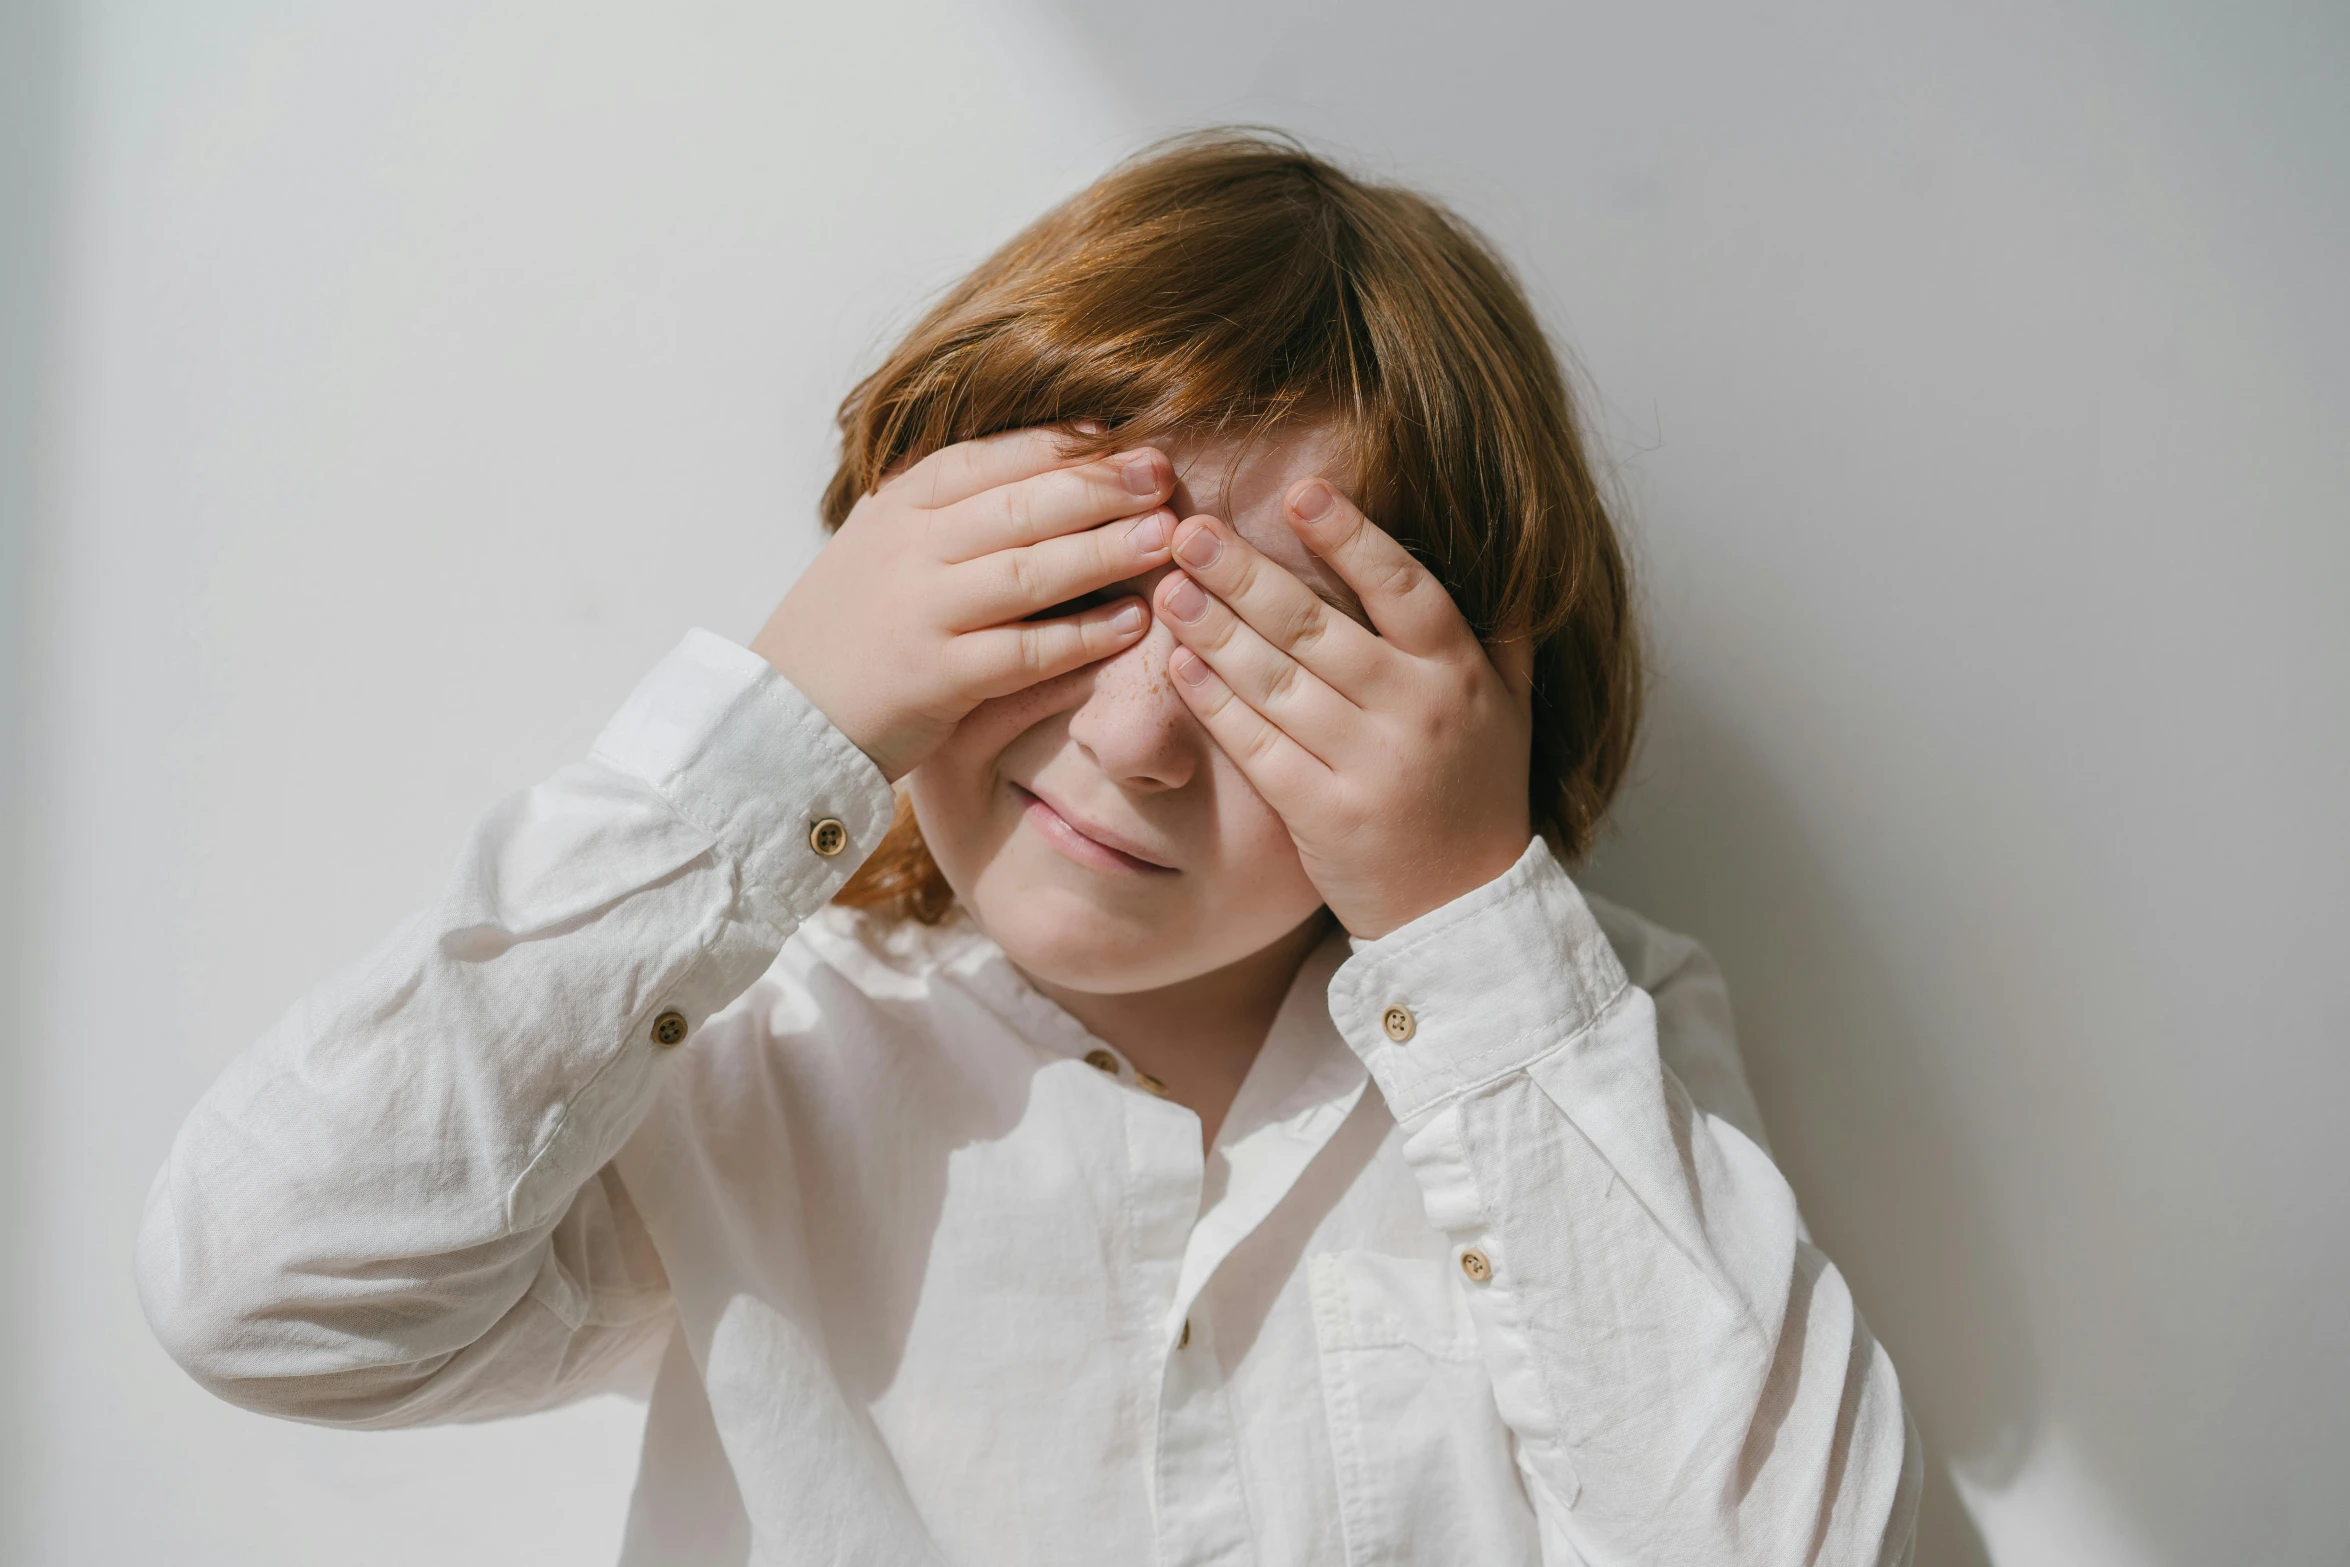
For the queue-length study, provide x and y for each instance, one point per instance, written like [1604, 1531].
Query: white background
[384, 386]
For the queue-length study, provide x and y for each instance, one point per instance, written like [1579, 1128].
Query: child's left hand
[1397, 760]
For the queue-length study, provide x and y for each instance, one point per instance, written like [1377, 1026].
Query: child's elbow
[224, 1320]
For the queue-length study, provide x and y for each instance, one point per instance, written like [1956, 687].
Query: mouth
[1095, 848]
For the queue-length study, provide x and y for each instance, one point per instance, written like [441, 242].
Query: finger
[1003, 659]
[1061, 500]
[1403, 598]
[958, 472]
[1279, 607]
[1284, 772]
[1014, 584]
[1260, 674]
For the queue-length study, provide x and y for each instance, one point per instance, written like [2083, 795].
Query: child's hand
[1398, 760]
[916, 610]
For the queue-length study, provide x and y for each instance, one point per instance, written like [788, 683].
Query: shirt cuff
[739, 752]
[1478, 989]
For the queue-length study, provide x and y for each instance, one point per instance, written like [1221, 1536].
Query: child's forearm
[377, 1215]
[1687, 1377]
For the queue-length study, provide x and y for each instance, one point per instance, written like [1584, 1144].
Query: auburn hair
[1224, 284]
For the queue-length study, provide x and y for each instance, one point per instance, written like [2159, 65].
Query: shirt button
[1150, 1084]
[827, 836]
[1102, 1061]
[669, 1028]
[1473, 1263]
[1399, 1022]
[1185, 1341]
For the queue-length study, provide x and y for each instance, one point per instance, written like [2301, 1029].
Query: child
[1193, 1117]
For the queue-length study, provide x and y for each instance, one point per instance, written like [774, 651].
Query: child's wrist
[1450, 875]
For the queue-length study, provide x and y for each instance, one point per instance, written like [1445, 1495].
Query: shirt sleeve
[395, 1207]
[1686, 1375]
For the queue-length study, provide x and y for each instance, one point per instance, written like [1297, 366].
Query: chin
[1080, 930]
[1058, 935]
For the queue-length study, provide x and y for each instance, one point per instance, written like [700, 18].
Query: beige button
[1185, 1341]
[827, 836]
[1473, 1263]
[669, 1028]
[1151, 1084]
[1102, 1061]
[1399, 1022]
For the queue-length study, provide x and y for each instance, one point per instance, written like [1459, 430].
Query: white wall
[416, 372]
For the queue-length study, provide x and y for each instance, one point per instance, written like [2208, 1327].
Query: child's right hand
[917, 610]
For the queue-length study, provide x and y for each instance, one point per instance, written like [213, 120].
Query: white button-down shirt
[911, 1279]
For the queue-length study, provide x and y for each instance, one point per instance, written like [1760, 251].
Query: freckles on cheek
[1006, 716]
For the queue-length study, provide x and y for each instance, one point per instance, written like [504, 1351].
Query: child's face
[1089, 823]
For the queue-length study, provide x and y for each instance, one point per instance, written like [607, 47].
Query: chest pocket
[1425, 1470]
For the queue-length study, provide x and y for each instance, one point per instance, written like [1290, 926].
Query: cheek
[951, 806]
[953, 795]
[1257, 862]
[958, 793]
[1249, 889]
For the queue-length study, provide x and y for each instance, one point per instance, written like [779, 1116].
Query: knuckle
[1104, 556]
[1020, 509]
[1039, 651]
[921, 482]
[1021, 576]
[1396, 576]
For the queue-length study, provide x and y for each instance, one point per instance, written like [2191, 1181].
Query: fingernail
[1142, 473]
[1184, 600]
[1149, 536]
[1089, 427]
[1310, 501]
[1189, 667]
[1127, 621]
[1200, 548]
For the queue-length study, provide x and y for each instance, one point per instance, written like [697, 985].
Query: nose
[1133, 724]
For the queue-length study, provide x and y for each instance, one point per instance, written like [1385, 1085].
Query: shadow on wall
[1707, 845]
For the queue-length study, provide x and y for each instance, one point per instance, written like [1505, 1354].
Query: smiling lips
[1089, 846]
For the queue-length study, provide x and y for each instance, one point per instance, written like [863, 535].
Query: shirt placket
[1199, 1509]
[1202, 1494]
[1303, 1086]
